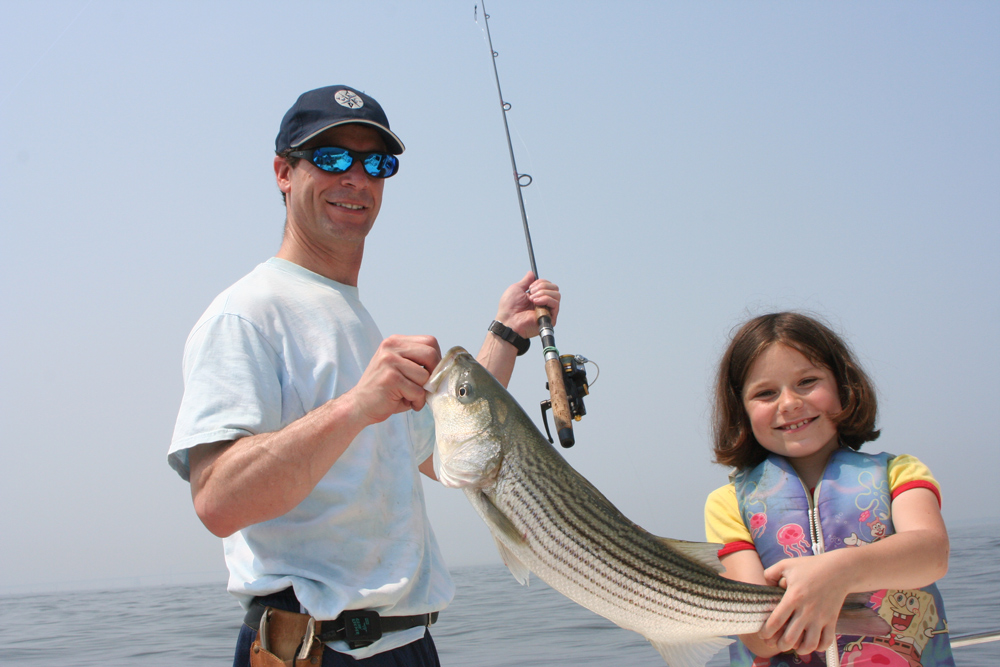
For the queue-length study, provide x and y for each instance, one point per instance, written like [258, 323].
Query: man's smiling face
[327, 211]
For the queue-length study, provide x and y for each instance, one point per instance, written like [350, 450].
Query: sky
[693, 164]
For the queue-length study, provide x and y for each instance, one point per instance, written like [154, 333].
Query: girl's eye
[808, 381]
[761, 395]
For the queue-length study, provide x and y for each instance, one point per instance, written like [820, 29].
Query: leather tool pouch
[286, 639]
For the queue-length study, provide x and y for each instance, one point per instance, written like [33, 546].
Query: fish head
[470, 408]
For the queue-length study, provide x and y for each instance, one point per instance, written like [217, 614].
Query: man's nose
[355, 174]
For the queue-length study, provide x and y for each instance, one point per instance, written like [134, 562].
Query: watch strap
[506, 333]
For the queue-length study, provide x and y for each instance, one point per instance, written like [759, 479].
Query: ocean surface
[493, 621]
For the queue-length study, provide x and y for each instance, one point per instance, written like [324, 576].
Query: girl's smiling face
[789, 400]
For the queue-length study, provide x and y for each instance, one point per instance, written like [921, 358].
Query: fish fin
[703, 553]
[691, 654]
[499, 522]
[513, 563]
[858, 619]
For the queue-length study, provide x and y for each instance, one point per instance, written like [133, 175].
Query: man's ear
[283, 174]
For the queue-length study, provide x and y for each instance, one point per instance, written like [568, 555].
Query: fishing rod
[567, 374]
[974, 638]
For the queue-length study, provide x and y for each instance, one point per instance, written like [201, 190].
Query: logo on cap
[346, 98]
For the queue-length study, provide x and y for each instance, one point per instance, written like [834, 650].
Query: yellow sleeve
[908, 472]
[723, 524]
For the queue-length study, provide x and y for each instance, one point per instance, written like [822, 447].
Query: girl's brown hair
[734, 442]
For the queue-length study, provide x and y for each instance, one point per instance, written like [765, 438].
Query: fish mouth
[442, 369]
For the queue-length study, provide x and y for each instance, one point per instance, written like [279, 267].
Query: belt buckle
[361, 627]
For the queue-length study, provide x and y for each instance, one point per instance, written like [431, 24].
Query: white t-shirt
[276, 345]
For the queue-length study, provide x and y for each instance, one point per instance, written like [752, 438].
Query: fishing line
[567, 374]
[45, 53]
[489, 43]
[520, 180]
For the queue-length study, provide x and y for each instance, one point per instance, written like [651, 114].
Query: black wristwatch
[511, 336]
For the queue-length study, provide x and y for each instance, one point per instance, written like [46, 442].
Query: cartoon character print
[877, 528]
[756, 520]
[913, 619]
[859, 654]
[792, 539]
[873, 502]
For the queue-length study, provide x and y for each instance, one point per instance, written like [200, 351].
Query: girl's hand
[806, 618]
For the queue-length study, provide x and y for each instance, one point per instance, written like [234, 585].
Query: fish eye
[464, 392]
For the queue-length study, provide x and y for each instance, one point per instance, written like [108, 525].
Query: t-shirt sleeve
[723, 524]
[231, 387]
[422, 435]
[908, 472]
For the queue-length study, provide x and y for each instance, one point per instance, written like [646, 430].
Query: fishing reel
[575, 379]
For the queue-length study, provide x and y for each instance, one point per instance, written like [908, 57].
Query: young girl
[806, 511]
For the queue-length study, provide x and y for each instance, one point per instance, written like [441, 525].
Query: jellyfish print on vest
[793, 540]
[758, 522]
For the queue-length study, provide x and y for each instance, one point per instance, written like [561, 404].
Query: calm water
[493, 621]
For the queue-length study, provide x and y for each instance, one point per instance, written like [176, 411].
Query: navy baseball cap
[318, 110]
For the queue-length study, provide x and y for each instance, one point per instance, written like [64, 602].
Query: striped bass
[548, 519]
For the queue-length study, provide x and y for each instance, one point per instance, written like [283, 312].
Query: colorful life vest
[848, 509]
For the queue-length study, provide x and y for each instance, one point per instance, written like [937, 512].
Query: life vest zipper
[815, 529]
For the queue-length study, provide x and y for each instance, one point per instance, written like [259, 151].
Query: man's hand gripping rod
[559, 374]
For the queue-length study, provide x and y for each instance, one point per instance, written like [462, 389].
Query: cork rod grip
[554, 373]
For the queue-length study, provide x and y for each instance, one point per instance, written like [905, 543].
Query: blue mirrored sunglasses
[337, 160]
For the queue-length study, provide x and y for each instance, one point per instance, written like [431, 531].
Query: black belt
[357, 627]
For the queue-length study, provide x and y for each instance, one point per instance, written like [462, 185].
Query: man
[301, 429]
